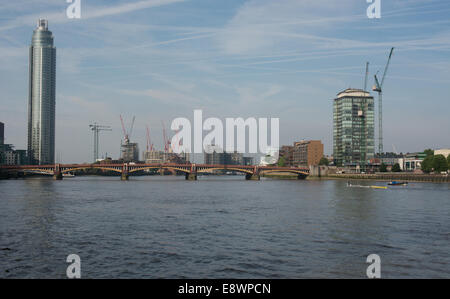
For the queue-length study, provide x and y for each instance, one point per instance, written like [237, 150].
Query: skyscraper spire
[42, 24]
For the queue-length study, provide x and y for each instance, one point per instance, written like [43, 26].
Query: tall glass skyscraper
[41, 97]
[353, 128]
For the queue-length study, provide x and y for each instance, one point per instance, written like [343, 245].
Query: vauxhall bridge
[190, 170]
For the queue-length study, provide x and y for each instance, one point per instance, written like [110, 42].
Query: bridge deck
[191, 170]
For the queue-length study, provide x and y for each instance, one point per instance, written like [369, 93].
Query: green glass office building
[353, 128]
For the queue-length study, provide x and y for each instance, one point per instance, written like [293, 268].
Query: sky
[161, 59]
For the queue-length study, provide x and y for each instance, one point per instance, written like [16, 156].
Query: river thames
[221, 227]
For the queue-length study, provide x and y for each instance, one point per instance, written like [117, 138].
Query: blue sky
[161, 59]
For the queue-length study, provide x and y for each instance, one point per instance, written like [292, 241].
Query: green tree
[448, 161]
[427, 164]
[324, 161]
[440, 163]
[282, 162]
[429, 152]
[396, 168]
[383, 167]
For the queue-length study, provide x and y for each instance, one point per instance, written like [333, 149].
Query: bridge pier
[124, 176]
[301, 177]
[191, 176]
[252, 177]
[58, 176]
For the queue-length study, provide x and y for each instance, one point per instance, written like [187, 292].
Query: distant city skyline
[159, 60]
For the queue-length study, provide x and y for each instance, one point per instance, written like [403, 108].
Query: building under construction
[353, 129]
[154, 156]
[129, 151]
[167, 155]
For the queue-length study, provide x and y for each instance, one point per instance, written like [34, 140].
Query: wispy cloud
[126, 8]
[89, 12]
[249, 30]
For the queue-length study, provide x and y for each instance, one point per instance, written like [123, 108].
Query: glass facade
[41, 98]
[353, 128]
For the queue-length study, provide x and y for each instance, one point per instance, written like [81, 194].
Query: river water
[221, 227]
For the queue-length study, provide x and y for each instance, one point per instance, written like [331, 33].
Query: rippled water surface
[221, 227]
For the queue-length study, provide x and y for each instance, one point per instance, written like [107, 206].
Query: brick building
[307, 152]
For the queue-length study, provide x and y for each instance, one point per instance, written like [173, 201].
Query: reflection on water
[221, 227]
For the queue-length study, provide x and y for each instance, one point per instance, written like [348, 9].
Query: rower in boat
[395, 183]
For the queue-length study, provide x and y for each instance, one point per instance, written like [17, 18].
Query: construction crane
[97, 128]
[378, 87]
[363, 131]
[127, 134]
[367, 74]
[149, 144]
[131, 127]
[166, 142]
[148, 139]
[129, 151]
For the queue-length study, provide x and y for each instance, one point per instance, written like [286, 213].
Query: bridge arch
[300, 172]
[159, 167]
[205, 170]
[38, 171]
[90, 167]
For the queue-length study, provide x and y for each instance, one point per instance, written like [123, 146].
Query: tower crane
[97, 128]
[127, 134]
[367, 74]
[378, 87]
[166, 142]
[131, 127]
[149, 144]
[363, 132]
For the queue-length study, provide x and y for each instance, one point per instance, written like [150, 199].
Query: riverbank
[406, 177]
[281, 176]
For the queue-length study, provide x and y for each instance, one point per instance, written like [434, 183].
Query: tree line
[435, 163]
